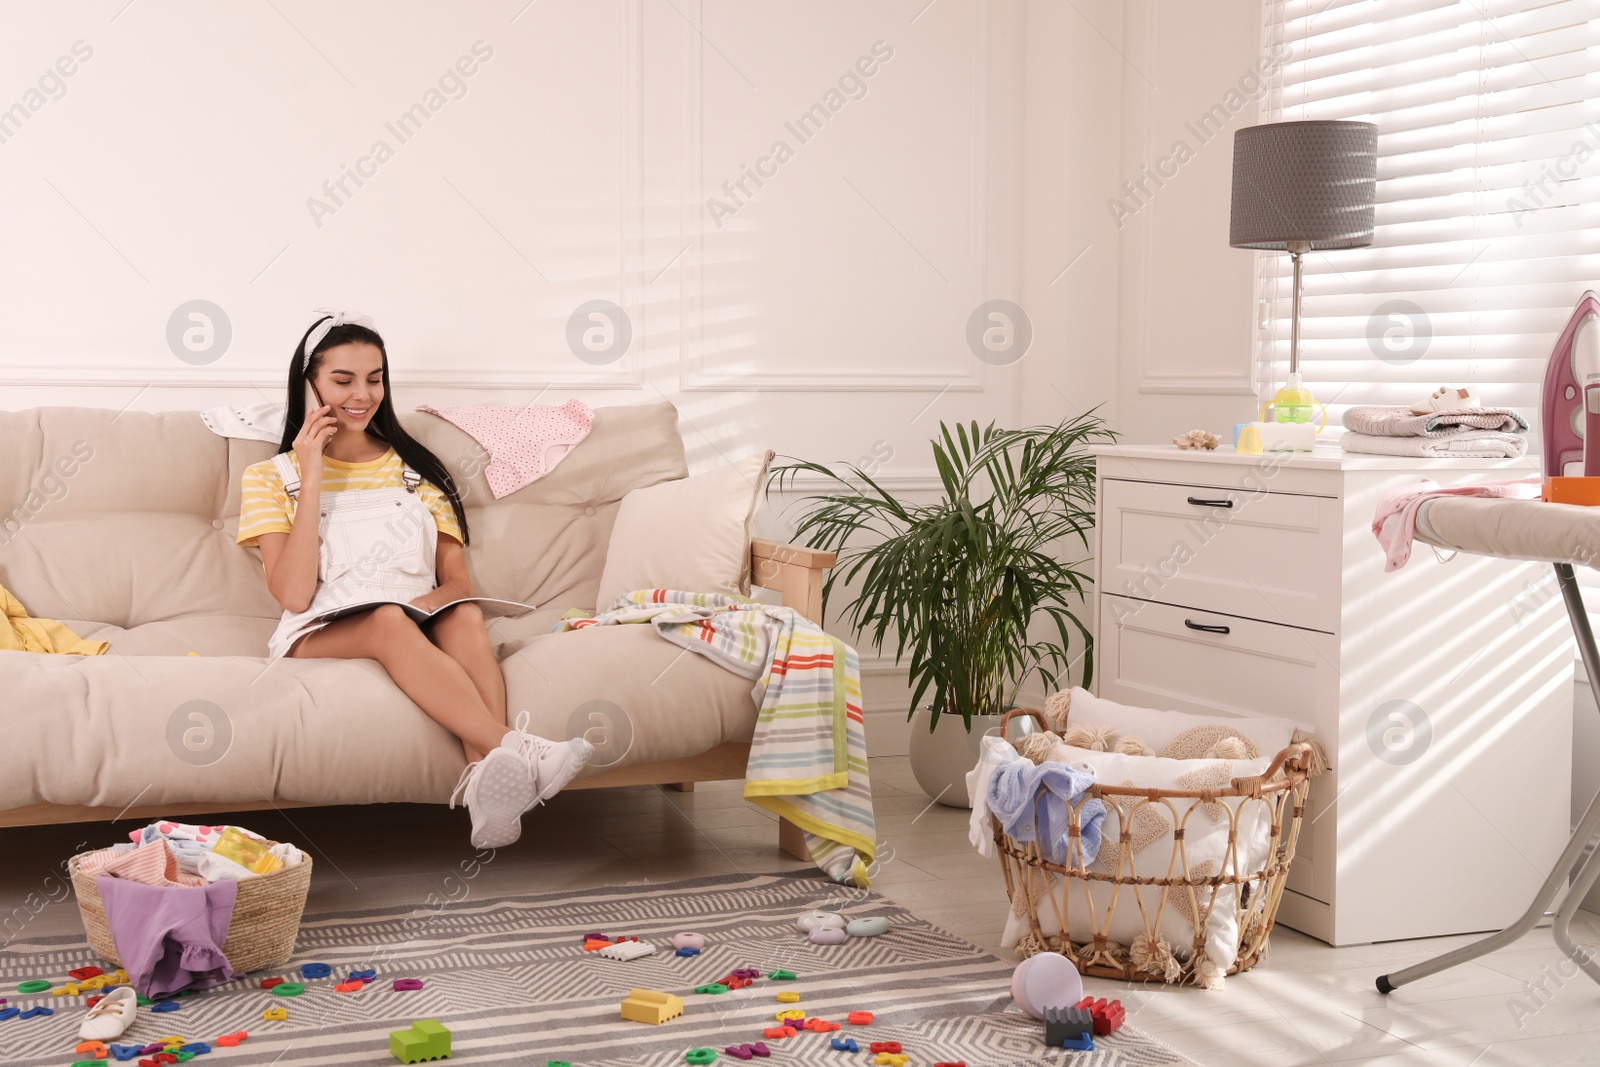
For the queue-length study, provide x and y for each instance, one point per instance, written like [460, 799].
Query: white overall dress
[376, 544]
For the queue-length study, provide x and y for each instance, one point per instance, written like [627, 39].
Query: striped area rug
[508, 977]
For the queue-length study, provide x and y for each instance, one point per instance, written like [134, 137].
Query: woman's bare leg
[462, 633]
[429, 676]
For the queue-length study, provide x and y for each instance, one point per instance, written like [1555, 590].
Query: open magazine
[491, 607]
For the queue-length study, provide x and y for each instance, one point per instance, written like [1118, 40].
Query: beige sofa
[123, 526]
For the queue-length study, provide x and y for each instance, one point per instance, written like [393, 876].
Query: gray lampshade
[1310, 181]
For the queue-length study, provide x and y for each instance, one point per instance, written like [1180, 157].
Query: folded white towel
[1472, 444]
[994, 753]
[258, 422]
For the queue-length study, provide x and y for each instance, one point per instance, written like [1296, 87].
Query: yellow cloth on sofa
[22, 633]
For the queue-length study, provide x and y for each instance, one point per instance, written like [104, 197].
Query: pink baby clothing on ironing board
[1394, 523]
[524, 443]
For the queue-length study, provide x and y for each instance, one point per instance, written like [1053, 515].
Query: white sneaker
[111, 1015]
[498, 789]
[551, 763]
[1447, 398]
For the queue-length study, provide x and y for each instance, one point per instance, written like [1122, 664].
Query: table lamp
[1300, 187]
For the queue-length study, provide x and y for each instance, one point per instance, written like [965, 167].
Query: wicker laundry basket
[1064, 893]
[261, 932]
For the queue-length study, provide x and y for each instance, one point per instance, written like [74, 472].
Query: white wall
[822, 313]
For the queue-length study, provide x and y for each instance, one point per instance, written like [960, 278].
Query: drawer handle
[1197, 502]
[1205, 627]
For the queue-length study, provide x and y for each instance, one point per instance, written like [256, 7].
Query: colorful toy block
[355, 986]
[268, 983]
[97, 1049]
[788, 998]
[426, 1040]
[1069, 1028]
[165, 1005]
[36, 1013]
[288, 989]
[200, 1048]
[275, 1015]
[712, 989]
[734, 982]
[747, 1050]
[845, 1044]
[69, 990]
[821, 1026]
[859, 1018]
[700, 1056]
[1108, 1015]
[891, 1059]
[650, 1006]
[368, 975]
[782, 975]
[407, 985]
[92, 1001]
[779, 1032]
[234, 1039]
[595, 946]
[885, 1046]
[315, 970]
[9, 1013]
[80, 973]
[687, 951]
[791, 1015]
[36, 985]
[123, 1053]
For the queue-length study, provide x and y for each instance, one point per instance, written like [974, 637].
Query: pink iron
[1562, 401]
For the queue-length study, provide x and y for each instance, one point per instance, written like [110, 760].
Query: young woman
[385, 522]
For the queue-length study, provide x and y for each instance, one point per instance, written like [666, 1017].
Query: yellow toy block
[891, 1059]
[788, 998]
[649, 1006]
[68, 990]
[275, 1015]
[794, 1014]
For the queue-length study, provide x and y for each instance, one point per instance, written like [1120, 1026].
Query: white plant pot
[940, 759]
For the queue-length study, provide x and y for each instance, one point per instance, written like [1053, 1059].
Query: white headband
[320, 330]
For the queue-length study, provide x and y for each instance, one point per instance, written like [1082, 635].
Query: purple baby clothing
[169, 938]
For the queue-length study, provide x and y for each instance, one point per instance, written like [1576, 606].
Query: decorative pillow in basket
[159, 902]
[1190, 864]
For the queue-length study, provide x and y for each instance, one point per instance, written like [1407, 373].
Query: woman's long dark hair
[383, 425]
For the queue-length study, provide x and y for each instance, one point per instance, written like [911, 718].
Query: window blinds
[1488, 214]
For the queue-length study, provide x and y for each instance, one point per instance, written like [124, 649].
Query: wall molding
[693, 375]
[120, 374]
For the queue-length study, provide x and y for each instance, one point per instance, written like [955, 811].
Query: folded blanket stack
[1486, 433]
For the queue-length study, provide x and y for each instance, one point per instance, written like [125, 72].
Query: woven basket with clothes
[1143, 906]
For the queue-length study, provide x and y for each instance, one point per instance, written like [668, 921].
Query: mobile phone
[313, 401]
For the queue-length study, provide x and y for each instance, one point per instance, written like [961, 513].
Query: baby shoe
[1447, 398]
[111, 1015]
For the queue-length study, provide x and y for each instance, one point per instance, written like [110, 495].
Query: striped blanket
[808, 758]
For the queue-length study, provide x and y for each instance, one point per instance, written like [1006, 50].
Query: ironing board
[1561, 535]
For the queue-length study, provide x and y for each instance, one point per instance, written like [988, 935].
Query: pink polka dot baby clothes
[524, 443]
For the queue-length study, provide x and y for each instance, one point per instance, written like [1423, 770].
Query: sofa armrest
[794, 571]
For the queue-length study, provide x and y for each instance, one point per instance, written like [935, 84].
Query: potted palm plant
[961, 581]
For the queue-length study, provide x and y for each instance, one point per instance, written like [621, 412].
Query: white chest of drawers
[1442, 691]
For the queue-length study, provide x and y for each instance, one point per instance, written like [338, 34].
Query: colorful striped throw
[808, 758]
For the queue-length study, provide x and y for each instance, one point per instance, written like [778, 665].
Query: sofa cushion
[691, 534]
[130, 518]
[106, 730]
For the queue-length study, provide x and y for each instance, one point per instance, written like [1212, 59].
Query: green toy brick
[426, 1040]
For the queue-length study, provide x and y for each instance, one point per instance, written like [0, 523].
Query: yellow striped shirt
[266, 508]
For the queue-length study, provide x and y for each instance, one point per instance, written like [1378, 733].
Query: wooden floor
[1306, 1004]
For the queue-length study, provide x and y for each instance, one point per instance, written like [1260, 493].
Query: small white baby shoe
[111, 1015]
[1447, 398]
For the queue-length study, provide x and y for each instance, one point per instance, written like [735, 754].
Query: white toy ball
[1048, 980]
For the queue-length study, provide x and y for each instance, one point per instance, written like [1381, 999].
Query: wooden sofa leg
[682, 787]
[792, 840]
